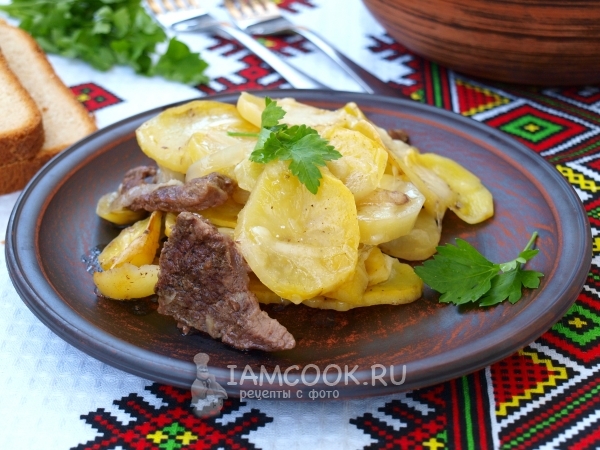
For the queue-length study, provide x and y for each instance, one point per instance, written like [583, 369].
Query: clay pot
[541, 42]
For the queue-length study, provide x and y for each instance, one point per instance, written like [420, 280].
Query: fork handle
[369, 82]
[295, 77]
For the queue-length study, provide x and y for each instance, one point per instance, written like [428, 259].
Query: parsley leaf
[105, 33]
[178, 63]
[462, 275]
[299, 144]
[272, 114]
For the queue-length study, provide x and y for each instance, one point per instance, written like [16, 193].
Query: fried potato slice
[321, 302]
[403, 286]
[224, 215]
[474, 202]
[181, 135]
[420, 243]
[438, 194]
[251, 107]
[362, 163]
[263, 293]
[297, 243]
[127, 282]
[170, 220]
[226, 231]
[122, 216]
[352, 110]
[388, 212]
[354, 287]
[246, 173]
[378, 266]
[222, 161]
[135, 245]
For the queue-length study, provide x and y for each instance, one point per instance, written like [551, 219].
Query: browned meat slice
[137, 176]
[195, 195]
[139, 191]
[399, 134]
[203, 284]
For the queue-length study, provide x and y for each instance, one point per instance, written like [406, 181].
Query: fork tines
[258, 10]
[181, 15]
[165, 6]
[270, 6]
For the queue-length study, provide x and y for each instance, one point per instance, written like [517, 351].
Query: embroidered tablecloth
[547, 395]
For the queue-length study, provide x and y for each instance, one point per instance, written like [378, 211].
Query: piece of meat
[137, 176]
[139, 191]
[203, 284]
[197, 194]
[399, 134]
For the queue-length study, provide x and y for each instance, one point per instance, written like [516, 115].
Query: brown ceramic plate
[54, 225]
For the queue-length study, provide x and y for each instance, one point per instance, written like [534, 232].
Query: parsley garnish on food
[105, 33]
[299, 144]
[462, 275]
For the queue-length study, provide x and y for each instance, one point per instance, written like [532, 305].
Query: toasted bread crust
[14, 176]
[64, 119]
[21, 137]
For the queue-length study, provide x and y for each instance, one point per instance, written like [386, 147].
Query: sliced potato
[298, 113]
[367, 128]
[202, 144]
[352, 289]
[397, 147]
[165, 137]
[474, 203]
[121, 216]
[251, 107]
[403, 286]
[224, 215]
[226, 231]
[389, 212]
[378, 266]
[420, 243]
[246, 173]
[297, 243]
[135, 245]
[362, 163]
[263, 293]
[321, 302]
[127, 281]
[352, 110]
[438, 194]
[240, 195]
[222, 161]
[170, 220]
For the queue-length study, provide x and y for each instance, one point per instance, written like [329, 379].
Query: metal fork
[262, 17]
[188, 16]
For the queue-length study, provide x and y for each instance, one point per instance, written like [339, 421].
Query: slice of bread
[21, 130]
[64, 118]
[14, 176]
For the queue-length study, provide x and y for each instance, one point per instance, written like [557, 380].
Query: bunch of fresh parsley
[299, 144]
[463, 275]
[105, 33]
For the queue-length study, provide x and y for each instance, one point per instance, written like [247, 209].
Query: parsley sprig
[462, 275]
[105, 33]
[299, 144]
